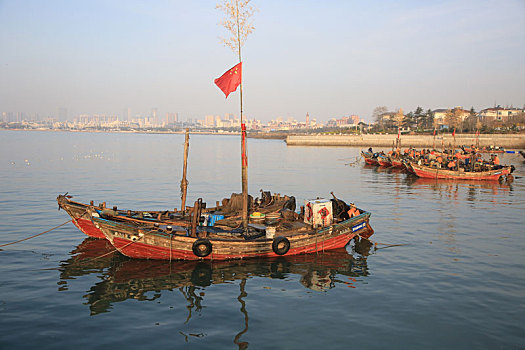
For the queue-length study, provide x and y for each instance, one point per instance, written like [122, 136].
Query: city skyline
[328, 60]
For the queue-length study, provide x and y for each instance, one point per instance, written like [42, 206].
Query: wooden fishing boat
[522, 154]
[369, 158]
[397, 163]
[81, 217]
[318, 229]
[384, 160]
[437, 173]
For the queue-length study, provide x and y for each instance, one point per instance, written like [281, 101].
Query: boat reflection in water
[124, 278]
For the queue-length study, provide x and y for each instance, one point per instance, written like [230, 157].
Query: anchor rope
[25, 239]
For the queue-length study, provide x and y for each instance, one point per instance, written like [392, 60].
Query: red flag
[229, 81]
[398, 132]
[454, 132]
[434, 134]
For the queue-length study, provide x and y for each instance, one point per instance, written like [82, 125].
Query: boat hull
[136, 242]
[369, 159]
[432, 173]
[80, 217]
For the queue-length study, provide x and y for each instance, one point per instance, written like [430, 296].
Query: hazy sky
[328, 58]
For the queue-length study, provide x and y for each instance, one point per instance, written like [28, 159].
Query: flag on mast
[229, 81]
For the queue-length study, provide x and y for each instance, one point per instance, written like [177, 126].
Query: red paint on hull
[371, 161]
[140, 250]
[448, 174]
[398, 164]
[88, 228]
[383, 162]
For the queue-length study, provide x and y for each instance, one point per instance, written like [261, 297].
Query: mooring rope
[25, 239]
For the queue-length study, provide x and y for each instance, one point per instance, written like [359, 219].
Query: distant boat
[384, 160]
[370, 158]
[442, 173]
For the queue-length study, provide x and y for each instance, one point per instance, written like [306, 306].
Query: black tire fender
[201, 247]
[280, 245]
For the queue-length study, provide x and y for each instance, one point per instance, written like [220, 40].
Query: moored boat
[81, 217]
[370, 158]
[318, 229]
[441, 173]
[397, 163]
[384, 160]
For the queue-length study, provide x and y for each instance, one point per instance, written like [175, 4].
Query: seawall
[510, 141]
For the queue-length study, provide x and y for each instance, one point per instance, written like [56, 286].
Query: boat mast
[184, 182]
[244, 157]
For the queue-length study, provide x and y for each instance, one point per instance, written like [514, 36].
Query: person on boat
[370, 150]
[353, 211]
[496, 159]
[451, 165]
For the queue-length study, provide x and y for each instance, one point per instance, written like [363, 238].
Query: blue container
[213, 217]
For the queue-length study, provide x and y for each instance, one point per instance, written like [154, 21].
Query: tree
[429, 119]
[408, 120]
[378, 115]
[399, 118]
[419, 118]
[452, 118]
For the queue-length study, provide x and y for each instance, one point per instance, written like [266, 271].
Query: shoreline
[514, 141]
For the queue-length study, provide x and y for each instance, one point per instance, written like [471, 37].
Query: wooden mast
[244, 157]
[184, 182]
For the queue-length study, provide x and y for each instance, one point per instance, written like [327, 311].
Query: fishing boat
[384, 160]
[81, 217]
[370, 158]
[441, 173]
[522, 154]
[397, 163]
[324, 225]
[237, 229]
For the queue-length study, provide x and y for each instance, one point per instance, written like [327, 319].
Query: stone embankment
[509, 141]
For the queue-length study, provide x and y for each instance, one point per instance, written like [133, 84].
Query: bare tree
[237, 21]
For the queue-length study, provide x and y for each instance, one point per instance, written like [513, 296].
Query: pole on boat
[184, 182]
[454, 143]
[238, 23]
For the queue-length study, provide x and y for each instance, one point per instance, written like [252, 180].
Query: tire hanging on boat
[201, 247]
[280, 245]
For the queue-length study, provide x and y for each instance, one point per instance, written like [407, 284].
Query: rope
[25, 239]
[386, 245]
[115, 249]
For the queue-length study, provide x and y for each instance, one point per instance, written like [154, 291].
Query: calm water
[456, 280]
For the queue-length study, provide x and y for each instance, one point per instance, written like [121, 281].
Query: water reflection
[123, 278]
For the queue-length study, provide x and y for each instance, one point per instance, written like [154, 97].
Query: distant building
[498, 113]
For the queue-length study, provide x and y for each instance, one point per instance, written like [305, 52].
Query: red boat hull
[384, 162]
[431, 173]
[145, 251]
[87, 227]
[398, 164]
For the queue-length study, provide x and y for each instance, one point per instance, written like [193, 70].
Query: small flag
[229, 81]
[434, 134]
[454, 132]
[398, 132]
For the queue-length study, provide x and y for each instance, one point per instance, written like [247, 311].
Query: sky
[327, 58]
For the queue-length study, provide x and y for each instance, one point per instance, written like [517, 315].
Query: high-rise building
[154, 116]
